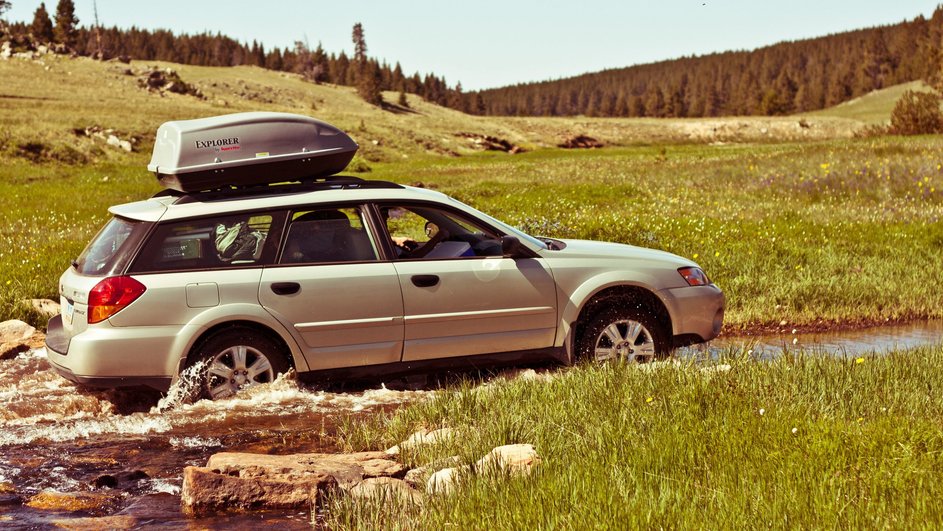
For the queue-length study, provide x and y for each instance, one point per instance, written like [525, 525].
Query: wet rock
[105, 481]
[8, 351]
[422, 438]
[445, 481]
[385, 489]
[52, 500]
[206, 490]
[123, 480]
[581, 142]
[516, 459]
[10, 499]
[252, 481]
[15, 331]
[94, 524]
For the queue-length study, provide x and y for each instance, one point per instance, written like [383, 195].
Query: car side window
[327, 235]
[431, 233]
[208, 243]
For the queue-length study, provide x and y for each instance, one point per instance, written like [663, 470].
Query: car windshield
[110, 249]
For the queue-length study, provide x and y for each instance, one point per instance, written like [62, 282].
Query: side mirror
[510, 245]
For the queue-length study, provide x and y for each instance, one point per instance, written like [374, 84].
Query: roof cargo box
[246, 149]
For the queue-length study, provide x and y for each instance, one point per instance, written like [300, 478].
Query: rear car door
[329, 288]
[461, 296]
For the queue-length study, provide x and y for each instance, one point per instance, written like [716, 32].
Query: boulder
[516, 459]
[418, 477]
[234, 480]
[422, 438]
[206, 490]
[15, 331]
[445, 481]
[385, 489]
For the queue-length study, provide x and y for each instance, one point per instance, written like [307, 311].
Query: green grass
[840, 443]
[874, 107]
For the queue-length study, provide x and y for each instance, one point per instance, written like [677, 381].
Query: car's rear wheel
[237, 359]
[623, 332]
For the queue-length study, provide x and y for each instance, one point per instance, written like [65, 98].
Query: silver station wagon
[242, 279]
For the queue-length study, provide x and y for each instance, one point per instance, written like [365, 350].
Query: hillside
[43, 102]
[781, 79]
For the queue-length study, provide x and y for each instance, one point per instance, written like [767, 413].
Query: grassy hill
[874, 107]
[43, 101]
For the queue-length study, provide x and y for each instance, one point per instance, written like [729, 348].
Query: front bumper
[108, 356]
[697, 312]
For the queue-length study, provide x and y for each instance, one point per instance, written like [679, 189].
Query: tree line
[370, 75]
[780, 79]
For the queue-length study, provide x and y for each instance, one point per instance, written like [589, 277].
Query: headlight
[694, 276]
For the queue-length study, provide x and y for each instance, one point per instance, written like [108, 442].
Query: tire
[236, 359]
[623, 331]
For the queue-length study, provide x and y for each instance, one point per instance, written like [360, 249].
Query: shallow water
[130, 447]
[848, 343]
[135, 446]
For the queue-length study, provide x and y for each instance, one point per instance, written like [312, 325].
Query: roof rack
[333, 182]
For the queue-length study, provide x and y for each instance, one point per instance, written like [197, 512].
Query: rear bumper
[109, 356]
[159, 383]
[697, 313]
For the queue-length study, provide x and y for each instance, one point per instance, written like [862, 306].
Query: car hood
[592, 249]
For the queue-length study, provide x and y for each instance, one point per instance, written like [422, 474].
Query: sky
[487, 43]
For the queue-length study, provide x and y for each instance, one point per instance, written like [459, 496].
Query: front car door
[461, 296]
[342, 305]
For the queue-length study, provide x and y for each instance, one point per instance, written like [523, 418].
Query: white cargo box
[245, 149]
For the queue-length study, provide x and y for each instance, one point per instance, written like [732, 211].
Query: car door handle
[286, 288]
[425, 281]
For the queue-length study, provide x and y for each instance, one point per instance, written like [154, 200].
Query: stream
[125, 450]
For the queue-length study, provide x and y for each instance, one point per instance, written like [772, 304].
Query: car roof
[169, 207]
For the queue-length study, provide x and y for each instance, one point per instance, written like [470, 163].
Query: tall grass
[803, 441]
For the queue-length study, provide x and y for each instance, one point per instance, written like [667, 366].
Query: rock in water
[251, 481]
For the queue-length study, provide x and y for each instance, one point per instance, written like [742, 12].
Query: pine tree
[369, 76]
[42, 24]
[66, 23]
[4, 6]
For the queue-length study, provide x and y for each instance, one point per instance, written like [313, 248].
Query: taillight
[110, 296]
[694, 276]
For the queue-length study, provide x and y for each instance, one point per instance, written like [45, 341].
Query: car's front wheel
[623, 332]
[237, 359]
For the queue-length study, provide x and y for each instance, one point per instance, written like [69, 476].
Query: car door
[342, 304]
[461, 297]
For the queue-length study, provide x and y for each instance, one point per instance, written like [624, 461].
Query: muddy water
[128, 449]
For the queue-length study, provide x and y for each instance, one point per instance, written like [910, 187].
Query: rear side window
[209, 243]
[111, 249]
[328, 235]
